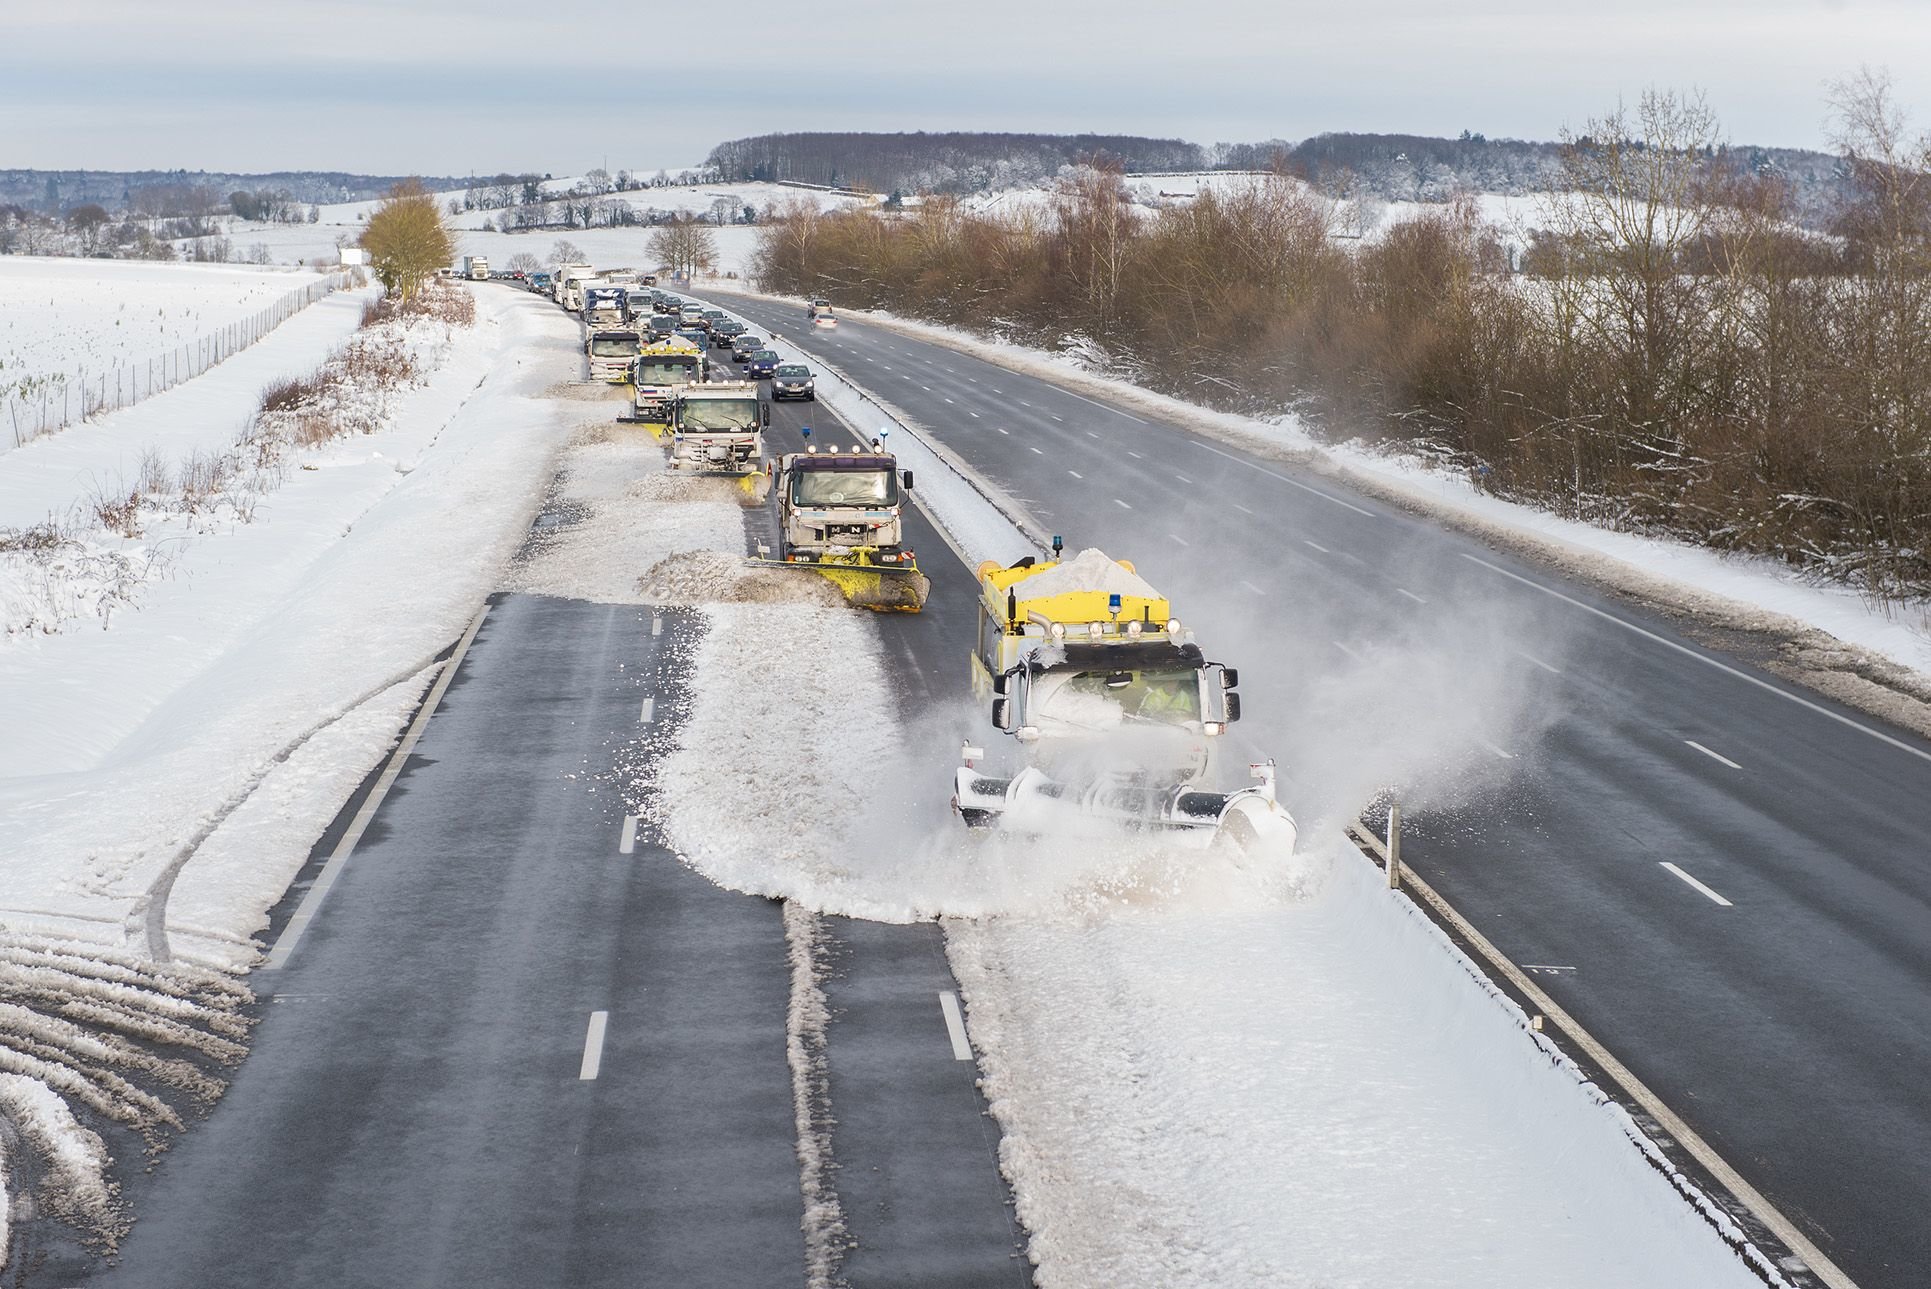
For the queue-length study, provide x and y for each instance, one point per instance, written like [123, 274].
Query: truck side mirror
[1233, 708]
[1002, 714]
[906, 477]
[999, 683]
[1229, 677]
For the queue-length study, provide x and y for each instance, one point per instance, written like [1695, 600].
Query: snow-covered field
[74, 333]
[342, 224]
[122, 743]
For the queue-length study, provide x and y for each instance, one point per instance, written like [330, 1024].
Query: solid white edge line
[312, 902]
[1402, 590]
[1698, 885]
[1317, 546]
[593, 1047]
[1102, 406]
[955, 1025]
[1714, 756]
[1685, 650]
[627, 840]
[1292, 483]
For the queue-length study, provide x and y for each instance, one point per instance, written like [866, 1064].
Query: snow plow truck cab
[1114, 708]
[839, 515]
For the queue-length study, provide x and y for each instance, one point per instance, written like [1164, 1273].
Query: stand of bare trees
[684, 246]
[1679, 354]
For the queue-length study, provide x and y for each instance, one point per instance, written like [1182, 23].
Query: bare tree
[565, 252]
[684, 246]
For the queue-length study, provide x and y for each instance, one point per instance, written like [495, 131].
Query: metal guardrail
[1804, 1265]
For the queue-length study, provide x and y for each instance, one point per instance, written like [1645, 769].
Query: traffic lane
[1791, 1043]
[918, 1173]
[1805, 757]
[414, 1110]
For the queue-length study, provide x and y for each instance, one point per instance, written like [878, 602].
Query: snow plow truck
[839, 516]
[658, 373]
[1115, 710]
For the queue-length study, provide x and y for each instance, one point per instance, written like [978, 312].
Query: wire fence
[41, 405]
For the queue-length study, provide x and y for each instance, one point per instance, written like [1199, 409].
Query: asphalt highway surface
[1725, 876]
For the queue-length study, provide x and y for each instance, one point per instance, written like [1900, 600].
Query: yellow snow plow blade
[882, 588]
[754, 488]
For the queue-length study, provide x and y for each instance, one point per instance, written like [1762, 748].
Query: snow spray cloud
[1434, 698]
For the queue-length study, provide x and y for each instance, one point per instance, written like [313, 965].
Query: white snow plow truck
[839, 516]
[1115, 711]
[718, 428]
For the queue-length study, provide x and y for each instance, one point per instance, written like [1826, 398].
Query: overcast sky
[454, 86]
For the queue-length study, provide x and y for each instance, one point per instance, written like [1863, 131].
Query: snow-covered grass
[79, 337]
[122, 742]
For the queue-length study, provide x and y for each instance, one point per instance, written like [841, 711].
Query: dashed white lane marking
[627, 839]
[1242, 509]
[1292, 483]
[1183, 478]
[1250, 586]
[1506, 756]
[649, 712]
[1698, 885]
[1402, 590]
[1076, 474]
[1102, 406]
[955, 1025]
[1317, 546]
[1745, 676]
[1121, 504]
[1178, 539]
[947, 400]
[657, 624]
[1344, 649]
[1036, 451]
[1062, 421]
[1002, 429]
[593, 1046]
[1554, 671]
[1135, 455]
[868, 358]
[1714, 756]
[926, 388]
[1089, 433]
[969, 412]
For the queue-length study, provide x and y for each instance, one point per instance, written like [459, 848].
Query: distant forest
[1394, 167]
[185, 192]
[953, 162]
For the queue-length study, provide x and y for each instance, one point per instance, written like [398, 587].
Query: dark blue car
[761, 365]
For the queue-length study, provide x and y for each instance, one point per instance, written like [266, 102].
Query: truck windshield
[1104, 699]
[720, 414]
[845, 488]
[666, 371]
[613, 346]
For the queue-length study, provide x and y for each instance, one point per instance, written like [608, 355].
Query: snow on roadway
[1208, 1070]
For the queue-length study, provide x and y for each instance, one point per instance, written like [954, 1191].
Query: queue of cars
[646, 316]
